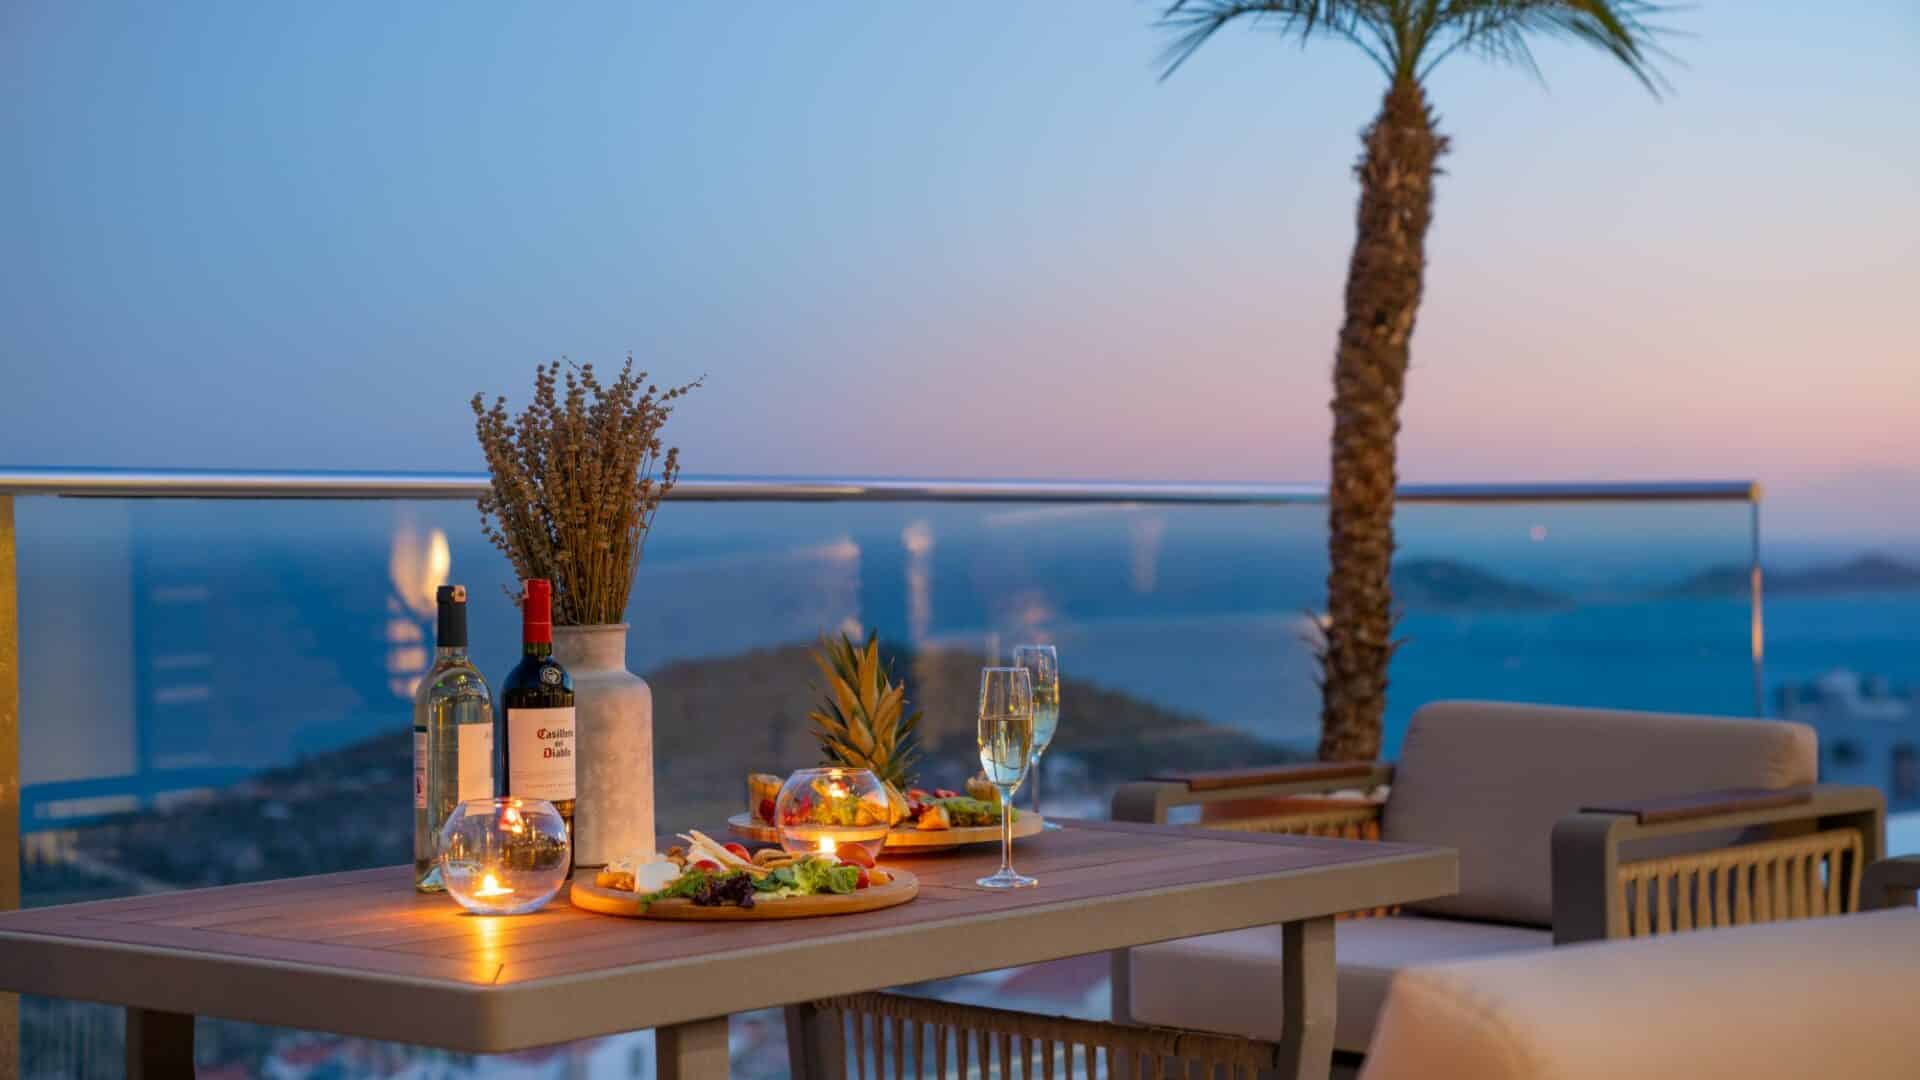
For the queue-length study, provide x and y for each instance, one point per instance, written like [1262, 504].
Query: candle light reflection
[490, 886]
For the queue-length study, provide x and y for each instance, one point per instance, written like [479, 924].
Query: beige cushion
[1230, 983]
[1490, 780]
[1823, 997]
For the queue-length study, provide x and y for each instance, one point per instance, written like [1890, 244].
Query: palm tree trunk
[1396, 169]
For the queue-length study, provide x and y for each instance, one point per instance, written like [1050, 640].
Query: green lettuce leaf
[843, 879]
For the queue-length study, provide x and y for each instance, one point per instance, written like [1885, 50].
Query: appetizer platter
[919, 820]
[709, 881]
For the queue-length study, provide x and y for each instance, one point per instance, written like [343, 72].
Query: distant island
[1450, 585]
[1868, 572]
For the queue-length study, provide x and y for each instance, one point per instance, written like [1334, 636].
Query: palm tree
[1399, 154]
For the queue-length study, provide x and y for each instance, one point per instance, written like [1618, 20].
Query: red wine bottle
[534, 729]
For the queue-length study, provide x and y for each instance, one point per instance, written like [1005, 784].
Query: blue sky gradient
[959, 240]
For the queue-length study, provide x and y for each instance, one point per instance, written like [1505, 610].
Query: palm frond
[1367, 24]
[1499, 30]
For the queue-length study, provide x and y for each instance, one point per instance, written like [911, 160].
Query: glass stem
[1006, 831]
[1036, 781]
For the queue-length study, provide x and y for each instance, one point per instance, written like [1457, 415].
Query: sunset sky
[953, 240]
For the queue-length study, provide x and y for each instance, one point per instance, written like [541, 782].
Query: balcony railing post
[1757, 635]
[9, 772]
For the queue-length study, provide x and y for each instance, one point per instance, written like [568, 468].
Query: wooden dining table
[362, 954]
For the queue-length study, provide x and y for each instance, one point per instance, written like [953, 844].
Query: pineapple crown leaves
[861, 724]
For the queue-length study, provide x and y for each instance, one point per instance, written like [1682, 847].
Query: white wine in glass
[1006, 753]
[1043, 669]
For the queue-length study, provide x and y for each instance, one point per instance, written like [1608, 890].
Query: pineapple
[863, 723]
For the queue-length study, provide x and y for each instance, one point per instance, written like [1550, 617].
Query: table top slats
[474, 967]
[363, 953]
[254, 894]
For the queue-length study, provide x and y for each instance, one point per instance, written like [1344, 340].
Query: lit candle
[490, 886]
[827, 845]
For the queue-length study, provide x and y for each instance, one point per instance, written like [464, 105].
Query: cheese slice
[701, 846]
[646, 872]
[654, 876]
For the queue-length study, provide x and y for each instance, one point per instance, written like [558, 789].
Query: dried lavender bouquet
[576, 480]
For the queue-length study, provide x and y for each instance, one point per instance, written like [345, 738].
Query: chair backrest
[893, 1037]
[1490, 779]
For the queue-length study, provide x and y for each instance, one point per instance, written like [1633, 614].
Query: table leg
[1308, 986]
[816, 1043]
[691, 1051]
[159, 1045]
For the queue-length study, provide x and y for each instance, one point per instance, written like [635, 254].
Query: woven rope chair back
[889, 1037]
[1799, 877]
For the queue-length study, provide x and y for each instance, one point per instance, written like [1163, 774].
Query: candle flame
[827, 845]
[490, 886]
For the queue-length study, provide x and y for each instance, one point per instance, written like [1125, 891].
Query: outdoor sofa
[1780, 1001]
[1572, 825]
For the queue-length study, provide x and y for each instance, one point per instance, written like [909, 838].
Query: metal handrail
[315, 484]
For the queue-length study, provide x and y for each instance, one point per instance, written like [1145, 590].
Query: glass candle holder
[823, 810]
[504, 856]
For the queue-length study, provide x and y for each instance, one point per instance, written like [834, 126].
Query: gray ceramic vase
[613, 716]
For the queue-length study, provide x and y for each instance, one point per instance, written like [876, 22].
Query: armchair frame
[1891, 883]
[1153, 799]
[1821, 839]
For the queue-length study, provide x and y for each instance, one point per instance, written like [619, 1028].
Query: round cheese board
[904, 840]
[590, 897]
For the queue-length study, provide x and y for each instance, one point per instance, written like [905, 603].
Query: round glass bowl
[823, 810]
[504, 856]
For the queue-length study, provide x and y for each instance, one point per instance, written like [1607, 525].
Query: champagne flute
[1006, 752]
[1043, 667]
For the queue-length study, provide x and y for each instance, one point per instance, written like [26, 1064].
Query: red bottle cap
[536, 612]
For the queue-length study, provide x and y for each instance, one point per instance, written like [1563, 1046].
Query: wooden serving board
[906, 841]
[904, 887]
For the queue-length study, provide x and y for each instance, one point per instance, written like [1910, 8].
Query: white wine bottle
[452, 736]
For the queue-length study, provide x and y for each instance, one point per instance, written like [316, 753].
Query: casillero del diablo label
[540, 757]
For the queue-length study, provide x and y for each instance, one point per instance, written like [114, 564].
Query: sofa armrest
[1222, 779]
[1704, 804]
[1150, 800]
[1891, 883]
[1586, 845]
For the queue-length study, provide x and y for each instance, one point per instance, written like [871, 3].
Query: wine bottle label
[540, 747]
[476, 761]
[419, 768]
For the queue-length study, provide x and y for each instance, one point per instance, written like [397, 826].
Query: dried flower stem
[574, 487]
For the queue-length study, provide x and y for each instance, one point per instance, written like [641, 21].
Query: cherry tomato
[943, 793]
[708, 865]
[739, 850]
[862, 881]
[855, 855]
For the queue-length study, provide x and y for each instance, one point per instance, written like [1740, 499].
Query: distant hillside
[715, 720]
[1868, 572]
[1448, 585]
